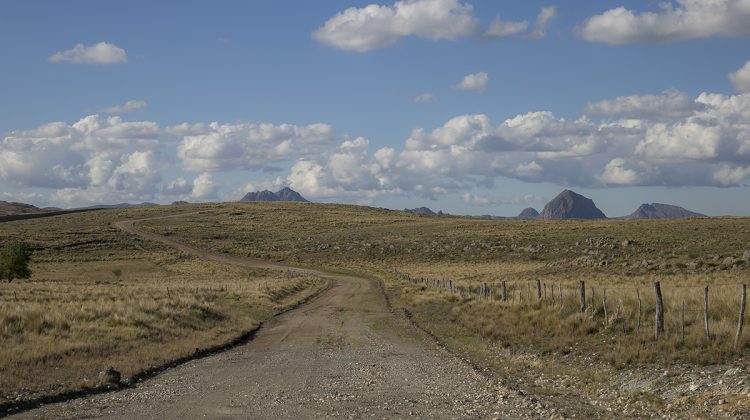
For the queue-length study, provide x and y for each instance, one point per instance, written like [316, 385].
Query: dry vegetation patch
[100, 298]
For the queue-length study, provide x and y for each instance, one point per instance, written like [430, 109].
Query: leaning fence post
[582, 295]
[705, 312]
[659, 310]
[741, 321]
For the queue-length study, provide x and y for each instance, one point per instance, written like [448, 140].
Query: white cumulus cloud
[100, 53]
[362, 29]
[680, 20]
[204, 187]
[375, 26]
[741, 78]
[225, 147]
[477, 82]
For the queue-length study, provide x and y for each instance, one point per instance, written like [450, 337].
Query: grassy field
[615, 257]
[100, 298]
[77, 315]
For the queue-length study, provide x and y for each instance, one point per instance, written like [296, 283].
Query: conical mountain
[528, 213]
[571, 205]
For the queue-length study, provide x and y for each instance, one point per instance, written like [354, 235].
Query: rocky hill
[284, 194]
[662, 211]
[528, 213]
[424, 211]
[10, 208]
[570, 205]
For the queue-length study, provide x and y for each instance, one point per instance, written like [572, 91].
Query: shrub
[14, 261]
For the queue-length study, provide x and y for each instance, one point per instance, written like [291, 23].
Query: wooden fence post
[638, 295]
[741, 321]
[659, 310]
[682, 323]
[582, 296]
[538, 289]
[604, 306]
[705, 313]
[505, 292]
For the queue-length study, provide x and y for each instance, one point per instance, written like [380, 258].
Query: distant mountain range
[571, 205]
[567, 205]
[284, 194]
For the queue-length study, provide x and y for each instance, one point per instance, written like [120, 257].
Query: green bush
[14, 261]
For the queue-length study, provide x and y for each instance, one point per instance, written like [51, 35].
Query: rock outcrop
[284, 194]
[570, 205]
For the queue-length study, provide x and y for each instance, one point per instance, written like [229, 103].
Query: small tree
[14, 261]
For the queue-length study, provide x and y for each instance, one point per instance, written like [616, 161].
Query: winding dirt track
[342, 355]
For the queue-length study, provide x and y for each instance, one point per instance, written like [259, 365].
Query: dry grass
[326, 233]
[616, 255]
[525, 323]
[75, 315]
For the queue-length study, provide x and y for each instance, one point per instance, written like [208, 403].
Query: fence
[631, 307]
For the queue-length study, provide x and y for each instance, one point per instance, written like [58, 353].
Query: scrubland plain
[163, 304]
[98, 298]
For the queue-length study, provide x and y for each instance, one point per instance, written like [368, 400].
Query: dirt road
[342, 355]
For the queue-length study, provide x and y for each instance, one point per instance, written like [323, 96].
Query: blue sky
[321, 96]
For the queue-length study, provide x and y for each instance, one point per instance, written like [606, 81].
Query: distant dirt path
[342, 355]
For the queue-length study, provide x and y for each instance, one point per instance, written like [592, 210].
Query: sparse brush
[62, 326]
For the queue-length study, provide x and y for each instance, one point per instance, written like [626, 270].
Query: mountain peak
[284, 194]
[424, 211]
[571, 205]
[528, 213]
